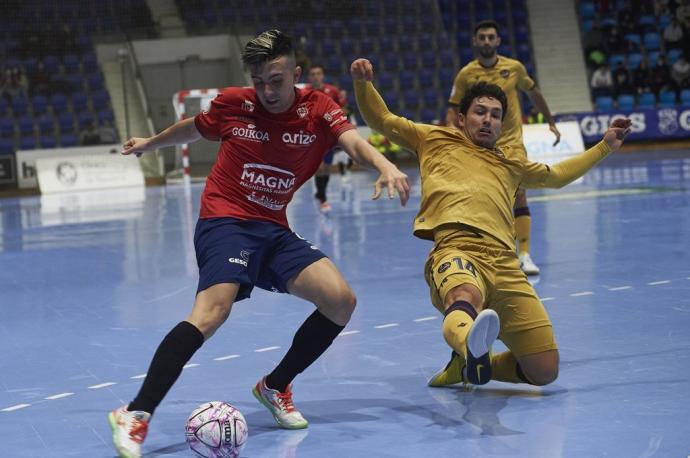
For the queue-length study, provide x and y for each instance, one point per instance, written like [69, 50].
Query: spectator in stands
[615, 44]
[661, 8]
[64, 40]
[642, 78]
[594, 38]
[680, 72]
[90, 135]
[596, 58]
[384, 145]
[107, 133]
[602, 81]
[683, 13]
[535, 117]
[15, 83]
[40, 81]
[673, 35]
[661, 77]
[626, 20]
[622, 79]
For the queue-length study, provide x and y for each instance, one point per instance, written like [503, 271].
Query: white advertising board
[81, 173]
[539, 140]
[26, 159]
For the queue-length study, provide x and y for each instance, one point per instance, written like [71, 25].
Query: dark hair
[313, 66]
[483, 89]
[487, 24]
[267, 46]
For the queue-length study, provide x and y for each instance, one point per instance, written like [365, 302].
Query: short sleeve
[335, 118]
[524, 83]
[458, 89]
[208, 123]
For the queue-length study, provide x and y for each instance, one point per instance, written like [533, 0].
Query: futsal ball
[216, 430]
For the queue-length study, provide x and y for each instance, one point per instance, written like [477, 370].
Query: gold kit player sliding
[511, 76]
[473, 271]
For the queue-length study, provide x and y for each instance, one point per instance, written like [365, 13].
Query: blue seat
[390, 62]
[446, 77]
[411, 100]
[39, 104]
[105, 116]
[651, 40]
[366, 47]
[6, 127]
[522, 34]
[6, 146]
[664, 20]
[3, 106]
[51, 64]
[429, 59]
[347, 46]
[466, 55]
[26, 125]
[614, 59]
[430, 98]
[634, 60]
[405, 43]
[425, 42]
[667, 99]
[587, 10]
[71, 63]
[523, 53]
[27, 143]
[47, 141]
[409, 60]
[587, 25]
[652, 57]
[45, 124]
[673, 55]
[95, 81]
[68, 140]
[634, 39]
[89, 63]
[327, 48]
[20, 105]
[428, 116]
[101, 99]
[385, 81]
[59, 102]
[84, 119]
[426, 78]
[626, 102]
[604, 103]
[647, 22]
[66, 121]
[685, 97]
[406, 80]
[646, 100]
[79, 102]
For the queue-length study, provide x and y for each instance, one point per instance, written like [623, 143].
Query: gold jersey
[463, 183]
[508, 74]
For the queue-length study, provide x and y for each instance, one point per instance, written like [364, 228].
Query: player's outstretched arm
[181, 132]
[538, 100]
[573, 168]
[375, 112]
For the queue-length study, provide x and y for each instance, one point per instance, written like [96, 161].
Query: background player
[510, 75]
[316, 82]
[473, 271]
[273, 138]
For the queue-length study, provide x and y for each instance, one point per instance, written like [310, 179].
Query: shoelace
[138, 431]
[286, 401]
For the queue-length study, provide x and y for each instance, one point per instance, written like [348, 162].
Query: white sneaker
[527, 265]
[129, 431]
[482, 335]
[280, 405]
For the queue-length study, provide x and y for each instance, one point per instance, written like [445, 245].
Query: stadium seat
[614, 59]
[6, 127]
[100, 100]
[39, 104]
[685, 97]
[366, 46]
[385, 80]
[426, 78]
[411, 100]
[45, 123]
[646, 100]
[51, 64]
[47, 141]
[587, 10]
[406, 80]
[664, 20]
[634, 60]
[587, 25]
[6, 146]
[652, 57]
[673, 55]
[430, 98]
[647, 23]
[409, 60]
[390, 62]
[84, 119]
[667, 99]
[651, 41]
[105, 116]
[68, 140]
[79, 102]
[20, 105]
[71, 63]
[27, 143]
[327, 48]
[429, 59]
[66, 121]
[26, 125]
[633, 40]
[347, 46]
[59, 103]
[428, 115]
[425, 42]
[626, 102]
[604, 103]
[3, 106]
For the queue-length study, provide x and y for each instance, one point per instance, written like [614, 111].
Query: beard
[487, 52]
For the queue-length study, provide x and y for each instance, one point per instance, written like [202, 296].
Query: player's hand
[393, 179]
[136, 145]
[616, 133]
[362, 70]
[554, 129]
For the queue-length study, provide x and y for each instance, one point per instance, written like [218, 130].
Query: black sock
[312, 339]
[173, 353]
[321, 183]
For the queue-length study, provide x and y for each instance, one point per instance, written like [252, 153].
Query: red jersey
[265, 157]
[331, 91]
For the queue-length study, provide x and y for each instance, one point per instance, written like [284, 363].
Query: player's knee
[544, 373]
[465, 292]
[209, 317]
[340, 305]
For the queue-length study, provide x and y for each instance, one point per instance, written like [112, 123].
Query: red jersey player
[273, 138]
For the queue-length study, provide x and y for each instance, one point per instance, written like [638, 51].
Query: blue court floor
[89, 285]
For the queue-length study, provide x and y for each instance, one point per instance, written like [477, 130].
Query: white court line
[17, 407]
[187, 366]
[261, 350]
[58, 396]
[136, 377]
[662, 282]
[225, 358]
[546, 299]
[583, 293]
[426, 318]
[101, 385]
[620, 288]
[348, 333]
[389, 325]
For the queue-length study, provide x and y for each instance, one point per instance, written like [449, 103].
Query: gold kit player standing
[510, 75]
[473, 271]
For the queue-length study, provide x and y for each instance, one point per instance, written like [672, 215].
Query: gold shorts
[461, 257]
